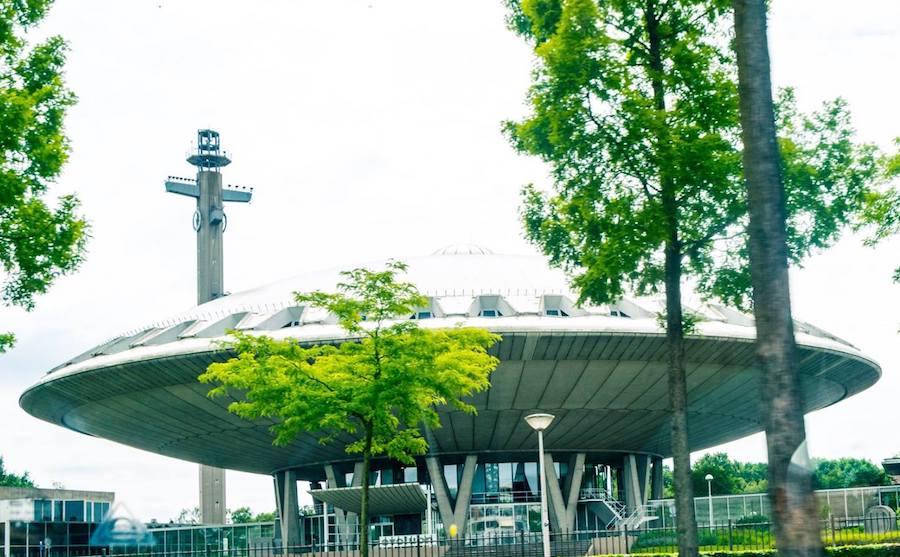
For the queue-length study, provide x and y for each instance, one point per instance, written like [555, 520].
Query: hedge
[874, 550]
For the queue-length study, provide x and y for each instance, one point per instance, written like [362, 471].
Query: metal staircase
[634, 520]
[615, 515]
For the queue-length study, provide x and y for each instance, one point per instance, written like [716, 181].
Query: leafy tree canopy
[848, 472]
[9, 479]
[614, 145]
[882, 211]
[732, 477]
[729, 476]
[38, 243]
[371, 394]
[243, 515]
[391, 380]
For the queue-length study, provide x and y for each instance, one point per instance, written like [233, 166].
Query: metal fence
[841, 503]
[730, 536]
[734, 536]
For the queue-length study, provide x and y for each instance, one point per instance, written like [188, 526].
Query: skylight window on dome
[557, 305]
[490, 305]
[426, 314]
[281, 319]
[618, 313]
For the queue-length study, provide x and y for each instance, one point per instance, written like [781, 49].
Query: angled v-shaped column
[563, 510]
[451, 514]
[346, 522]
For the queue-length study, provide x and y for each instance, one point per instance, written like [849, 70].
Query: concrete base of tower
[212, 495]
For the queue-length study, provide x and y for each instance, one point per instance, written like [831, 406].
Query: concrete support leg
[635, 476]
[452, 514]
[288, 508]
[620, 483]
[576, 474]
[353, 518]
[212, 495]
[564, 505]
[340, 517]
[656, 479]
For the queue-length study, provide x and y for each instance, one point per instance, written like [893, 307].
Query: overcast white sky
[370, 128]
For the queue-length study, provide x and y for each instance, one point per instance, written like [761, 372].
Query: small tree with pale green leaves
[379, 388]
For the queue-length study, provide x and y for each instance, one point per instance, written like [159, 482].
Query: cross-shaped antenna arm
[237, 194]
[182, 186]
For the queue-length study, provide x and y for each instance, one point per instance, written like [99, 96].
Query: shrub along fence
[735, 536]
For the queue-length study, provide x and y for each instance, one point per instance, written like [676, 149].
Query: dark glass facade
[505, 500]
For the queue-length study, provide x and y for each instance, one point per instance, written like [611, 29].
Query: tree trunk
[364, 499]
[790, 476]
[688, 543]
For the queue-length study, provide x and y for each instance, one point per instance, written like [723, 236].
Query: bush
[880, 550]
[752, 519]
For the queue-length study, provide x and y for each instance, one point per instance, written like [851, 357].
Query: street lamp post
[709, 479]
[540, 422]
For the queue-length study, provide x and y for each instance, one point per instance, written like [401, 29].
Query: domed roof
[463, 249]
[596, 367]
[464, 283]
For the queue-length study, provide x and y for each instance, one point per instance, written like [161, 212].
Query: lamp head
[539, 422]
[709, 477]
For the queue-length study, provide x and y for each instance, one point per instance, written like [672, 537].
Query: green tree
[848, 472]
[629, 108]
[730, 477]
[271, 515]
[241, 515]
[9, 479]
[754, 476]
[38, 243]
[379, 389]
[726, 477]
[882, 210]
[635, 108]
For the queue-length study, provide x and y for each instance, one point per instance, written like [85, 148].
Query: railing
[721, 537]
[505, 497]
[840, 503]
[502, 543]
[593, 494]
[755, 536]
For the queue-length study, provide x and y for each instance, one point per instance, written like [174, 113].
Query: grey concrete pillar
[451, 514]
[620, 483]
[288, 508]
[635, 475]
[353, 518]
[212, 495]
[210, 260]
[332, 481]
[656, 479]
[210, 280]
[563, 506]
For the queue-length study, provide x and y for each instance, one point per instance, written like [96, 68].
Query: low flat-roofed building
[56, 521]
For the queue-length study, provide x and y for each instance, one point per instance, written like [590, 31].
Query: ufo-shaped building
[601, 371]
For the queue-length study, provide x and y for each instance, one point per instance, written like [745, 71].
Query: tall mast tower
[209, 224]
